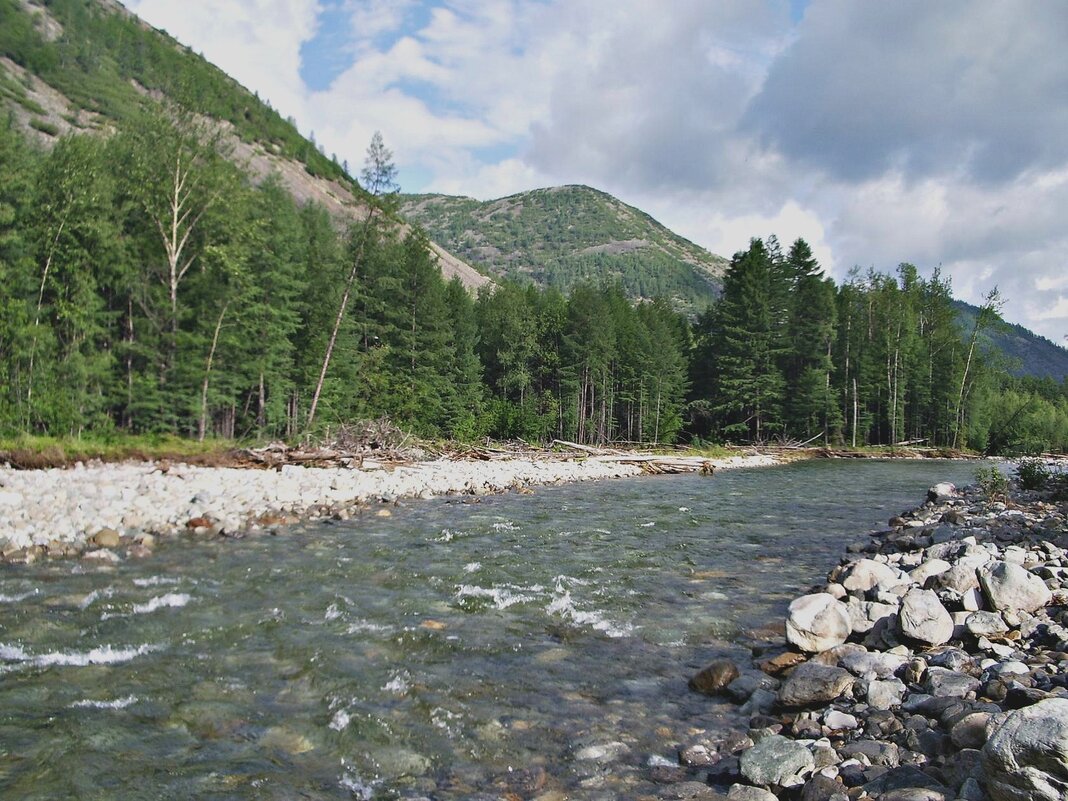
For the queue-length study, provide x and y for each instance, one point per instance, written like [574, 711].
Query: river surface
[528, 645]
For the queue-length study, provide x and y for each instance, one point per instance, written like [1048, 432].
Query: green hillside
[562, 236]
[1027, 352]
[103, 64]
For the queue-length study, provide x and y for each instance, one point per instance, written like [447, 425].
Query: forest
[146, 286]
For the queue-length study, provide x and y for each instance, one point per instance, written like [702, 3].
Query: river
[534, 645]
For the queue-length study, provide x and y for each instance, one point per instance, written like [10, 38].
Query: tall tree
[748, 345]
[380, 182]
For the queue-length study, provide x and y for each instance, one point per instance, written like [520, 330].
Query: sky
[911, 131]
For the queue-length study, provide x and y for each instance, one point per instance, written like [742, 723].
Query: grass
[33, 452]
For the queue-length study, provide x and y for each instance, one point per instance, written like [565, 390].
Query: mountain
[82, 66]
[564, 235]
[1027, 352]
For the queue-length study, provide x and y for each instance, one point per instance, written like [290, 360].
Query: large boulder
[922, 617]
[813, 683]
[1009, 586]
[817, 623]
[1026, 759]
[775, 760]
[868, 573]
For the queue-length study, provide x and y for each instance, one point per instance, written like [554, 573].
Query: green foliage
[992, 482]
[1033, 474]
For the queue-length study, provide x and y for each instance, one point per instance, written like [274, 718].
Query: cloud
[955, 89]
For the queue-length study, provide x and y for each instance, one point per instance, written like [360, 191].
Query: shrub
[992, 482]
[1032, 474]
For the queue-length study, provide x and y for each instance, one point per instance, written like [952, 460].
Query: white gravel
[46, 507]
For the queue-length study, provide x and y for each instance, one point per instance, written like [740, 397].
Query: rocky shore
[114, 511]
[931, 666]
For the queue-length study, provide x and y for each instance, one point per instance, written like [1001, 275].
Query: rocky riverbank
[113, 511]
[932, 666]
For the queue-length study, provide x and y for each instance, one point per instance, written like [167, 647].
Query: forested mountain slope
[78, 66]
[561, 236]
[1027, 352]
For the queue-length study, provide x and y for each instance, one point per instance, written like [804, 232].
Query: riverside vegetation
[147, 286]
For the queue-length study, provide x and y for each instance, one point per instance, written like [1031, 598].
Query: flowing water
[524, 645]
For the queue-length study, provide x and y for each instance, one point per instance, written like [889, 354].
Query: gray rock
[813, 683]
[743, 687]
[774, 760]
[885, 694]
[759, 703]
[817, 622]
[905, 777]
[932, 567]
[743, 792]
[865, 615]
[985, 624]
[1026, 758]
[960, 578]
[1009, 586]
[970, 730]
[866, 664]
[867, 573]
[822, 788]
[943, 683]
[922, 617]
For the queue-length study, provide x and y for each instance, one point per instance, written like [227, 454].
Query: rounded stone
[817, 622]
[774, 760]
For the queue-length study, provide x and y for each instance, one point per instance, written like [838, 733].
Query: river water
[527, 645]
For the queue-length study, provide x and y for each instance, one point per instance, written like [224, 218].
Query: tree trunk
[202, 428]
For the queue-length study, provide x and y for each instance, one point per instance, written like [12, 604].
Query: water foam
[95, 596]
[155, 581]
[170, 600]
[102, 655]
[563, 606]
[500, 597]
[118, 703]
[14, 599]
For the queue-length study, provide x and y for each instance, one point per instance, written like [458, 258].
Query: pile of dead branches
[367, 443]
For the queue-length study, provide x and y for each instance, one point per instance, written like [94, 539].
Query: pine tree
[748, 346]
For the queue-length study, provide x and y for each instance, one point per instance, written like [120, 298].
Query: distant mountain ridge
[561, 236]
[1027, 352]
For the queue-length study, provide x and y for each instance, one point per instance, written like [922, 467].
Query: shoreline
[112, 511]
[931, 665]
